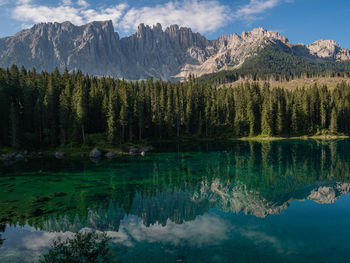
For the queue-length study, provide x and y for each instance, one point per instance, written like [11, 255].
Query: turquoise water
[281, 201]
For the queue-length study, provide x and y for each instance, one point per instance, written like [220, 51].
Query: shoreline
[304, 137]
[130, 149]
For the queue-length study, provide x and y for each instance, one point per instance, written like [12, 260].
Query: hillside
[274, 64]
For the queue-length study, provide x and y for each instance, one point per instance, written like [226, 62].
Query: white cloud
[28, 12]
[256, 7]
[3, 2]
[203, 16]
[82, 3]
[23, 2]
[76, 12]
[66, 2]
[113, 13]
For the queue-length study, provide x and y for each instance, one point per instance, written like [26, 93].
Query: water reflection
[195, 197]
[253, 178]
[2, 230]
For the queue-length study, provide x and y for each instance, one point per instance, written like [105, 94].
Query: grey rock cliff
[170, 54]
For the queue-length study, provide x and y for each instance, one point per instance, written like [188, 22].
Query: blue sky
[302, 21]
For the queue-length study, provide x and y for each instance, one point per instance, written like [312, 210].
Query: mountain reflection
[257, 179]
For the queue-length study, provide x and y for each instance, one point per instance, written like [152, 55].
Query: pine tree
[65, 113]
[251, 118]
[333, 127]
[111, 120]
[14, 124]
[80, 103]
[52, 110]
[295, 119]
[266, 118]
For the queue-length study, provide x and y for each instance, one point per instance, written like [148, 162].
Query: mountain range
[170, 54]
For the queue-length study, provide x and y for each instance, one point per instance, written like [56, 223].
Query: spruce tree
[333, 127]
[111, 120]
[15, 126]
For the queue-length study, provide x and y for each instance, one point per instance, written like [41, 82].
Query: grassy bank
[304, 137]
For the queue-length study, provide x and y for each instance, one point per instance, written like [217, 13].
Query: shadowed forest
[53, 109]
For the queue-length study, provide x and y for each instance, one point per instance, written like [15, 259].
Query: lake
[280, 201]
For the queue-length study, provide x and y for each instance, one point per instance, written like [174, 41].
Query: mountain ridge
[170, 54]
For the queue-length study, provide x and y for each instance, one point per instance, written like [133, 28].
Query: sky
[301, 21]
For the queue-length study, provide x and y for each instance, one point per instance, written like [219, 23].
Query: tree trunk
[140, 132]
[83, 132]
[177, 128]
[123, 132]
[130, 132]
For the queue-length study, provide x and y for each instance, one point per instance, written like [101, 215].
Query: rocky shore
[94, 154]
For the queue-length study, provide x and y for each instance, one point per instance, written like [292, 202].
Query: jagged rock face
[151, 52]
[93, 48]
[233, 50]
[328, 49]
[157, 53]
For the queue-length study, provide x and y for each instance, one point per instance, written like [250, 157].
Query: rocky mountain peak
[106, 26]
[328, 49]
[326, 43]
[158, 27]
[173, 53]
[259, 31]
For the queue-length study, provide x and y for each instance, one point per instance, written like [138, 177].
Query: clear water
[281, 201]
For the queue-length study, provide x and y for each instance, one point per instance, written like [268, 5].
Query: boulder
[95, 153]
[5, 157]
[59, 155]
[19, 156]
[142, 150]
[133, 150]
[12, 157]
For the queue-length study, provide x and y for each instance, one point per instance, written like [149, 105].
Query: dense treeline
[51, 109]
[274, 64]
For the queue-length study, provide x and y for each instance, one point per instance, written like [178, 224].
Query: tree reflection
[2, 230]
[249, 177]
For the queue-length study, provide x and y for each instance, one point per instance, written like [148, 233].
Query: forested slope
[272, 63]
[52, 109]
